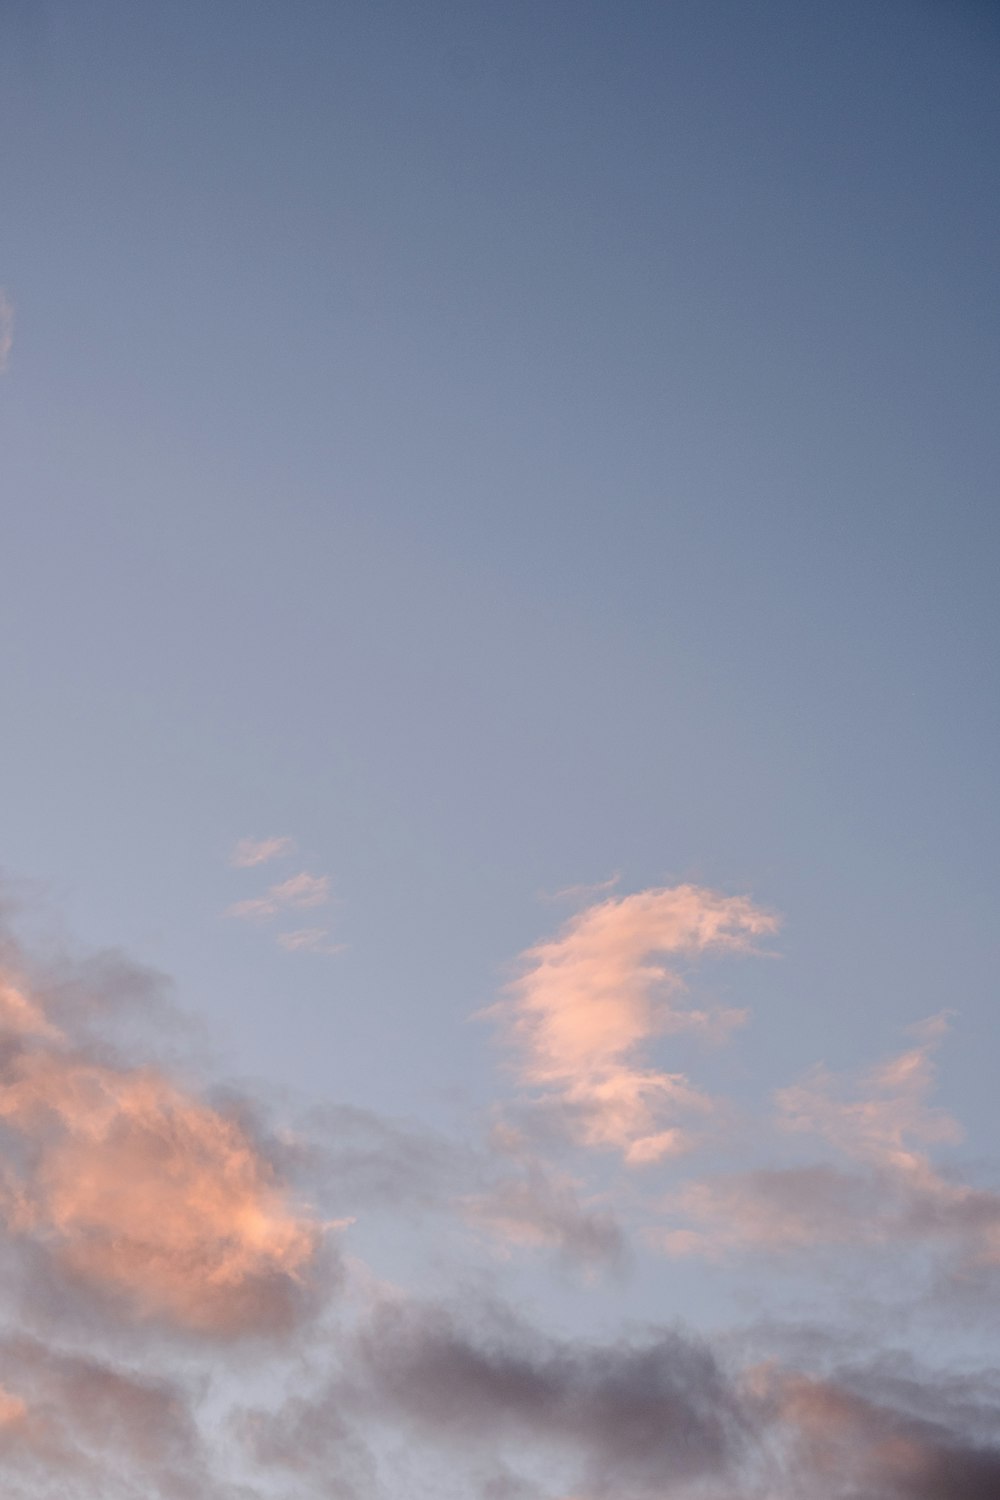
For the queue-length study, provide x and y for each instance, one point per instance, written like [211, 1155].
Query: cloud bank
[177, 1320]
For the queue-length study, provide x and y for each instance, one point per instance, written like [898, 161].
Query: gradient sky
[498, 499]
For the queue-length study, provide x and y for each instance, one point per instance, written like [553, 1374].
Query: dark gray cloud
[637, 1416]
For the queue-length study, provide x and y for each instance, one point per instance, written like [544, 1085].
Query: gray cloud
[637, 1415]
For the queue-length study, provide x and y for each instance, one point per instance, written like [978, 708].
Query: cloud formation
[93, 1426]
[889, 1191]
[538, 1207]
[146, 1227]
[309, 940]
[121, 1181]
[300, 891]
[590, 999]
[632, 1418]
[249, 853]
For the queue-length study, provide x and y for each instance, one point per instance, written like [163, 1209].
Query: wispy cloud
[6, 329]
[309, 940]
[250, 852]
[890, 1191]
[538, 1207]
[299, 891]
[591, 998]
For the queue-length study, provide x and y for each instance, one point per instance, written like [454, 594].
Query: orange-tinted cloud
[134, 1187]
[591, 997]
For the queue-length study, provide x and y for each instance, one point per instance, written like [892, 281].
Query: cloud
[299, 891]
[590, 998]
[837, 1440]
[146, 1225]
[309, 940]
[632, 1417]
[891, 1192]
[657, 1414]
[888, 1113]
[6, 330]
[92, 1424]
[538, 1207]
[251, 852]
[122, 1182]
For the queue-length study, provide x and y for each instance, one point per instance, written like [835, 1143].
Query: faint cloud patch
[309, 940]
[302, 890]
[251, 852]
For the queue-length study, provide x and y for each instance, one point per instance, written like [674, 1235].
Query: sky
[498, 646]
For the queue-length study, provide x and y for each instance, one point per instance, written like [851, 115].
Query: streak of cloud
[300, 891]
[250, 852]
[309, 940]
[891, 1191]
[590, 999]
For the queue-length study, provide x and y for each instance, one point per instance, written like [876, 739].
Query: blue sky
[503, 449]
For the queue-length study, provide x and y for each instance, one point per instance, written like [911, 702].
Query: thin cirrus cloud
[300, 891]
[309, 940]
[248, 853]
[590, 999]
[886, 1188]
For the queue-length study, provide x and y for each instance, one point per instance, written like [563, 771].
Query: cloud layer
[175, 1321]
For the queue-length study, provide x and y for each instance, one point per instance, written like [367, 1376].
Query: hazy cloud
[299, 891]
[309, 940]
[92, 1425]
[632, 1417]
[250, 852]
[539, 1207]
[891, 1191]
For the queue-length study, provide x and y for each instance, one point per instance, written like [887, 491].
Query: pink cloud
[299, 891]
[888, 1114]
[890, 1191]
[591, 997]
[131, 1185]
[309, 940]
[251, 852]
